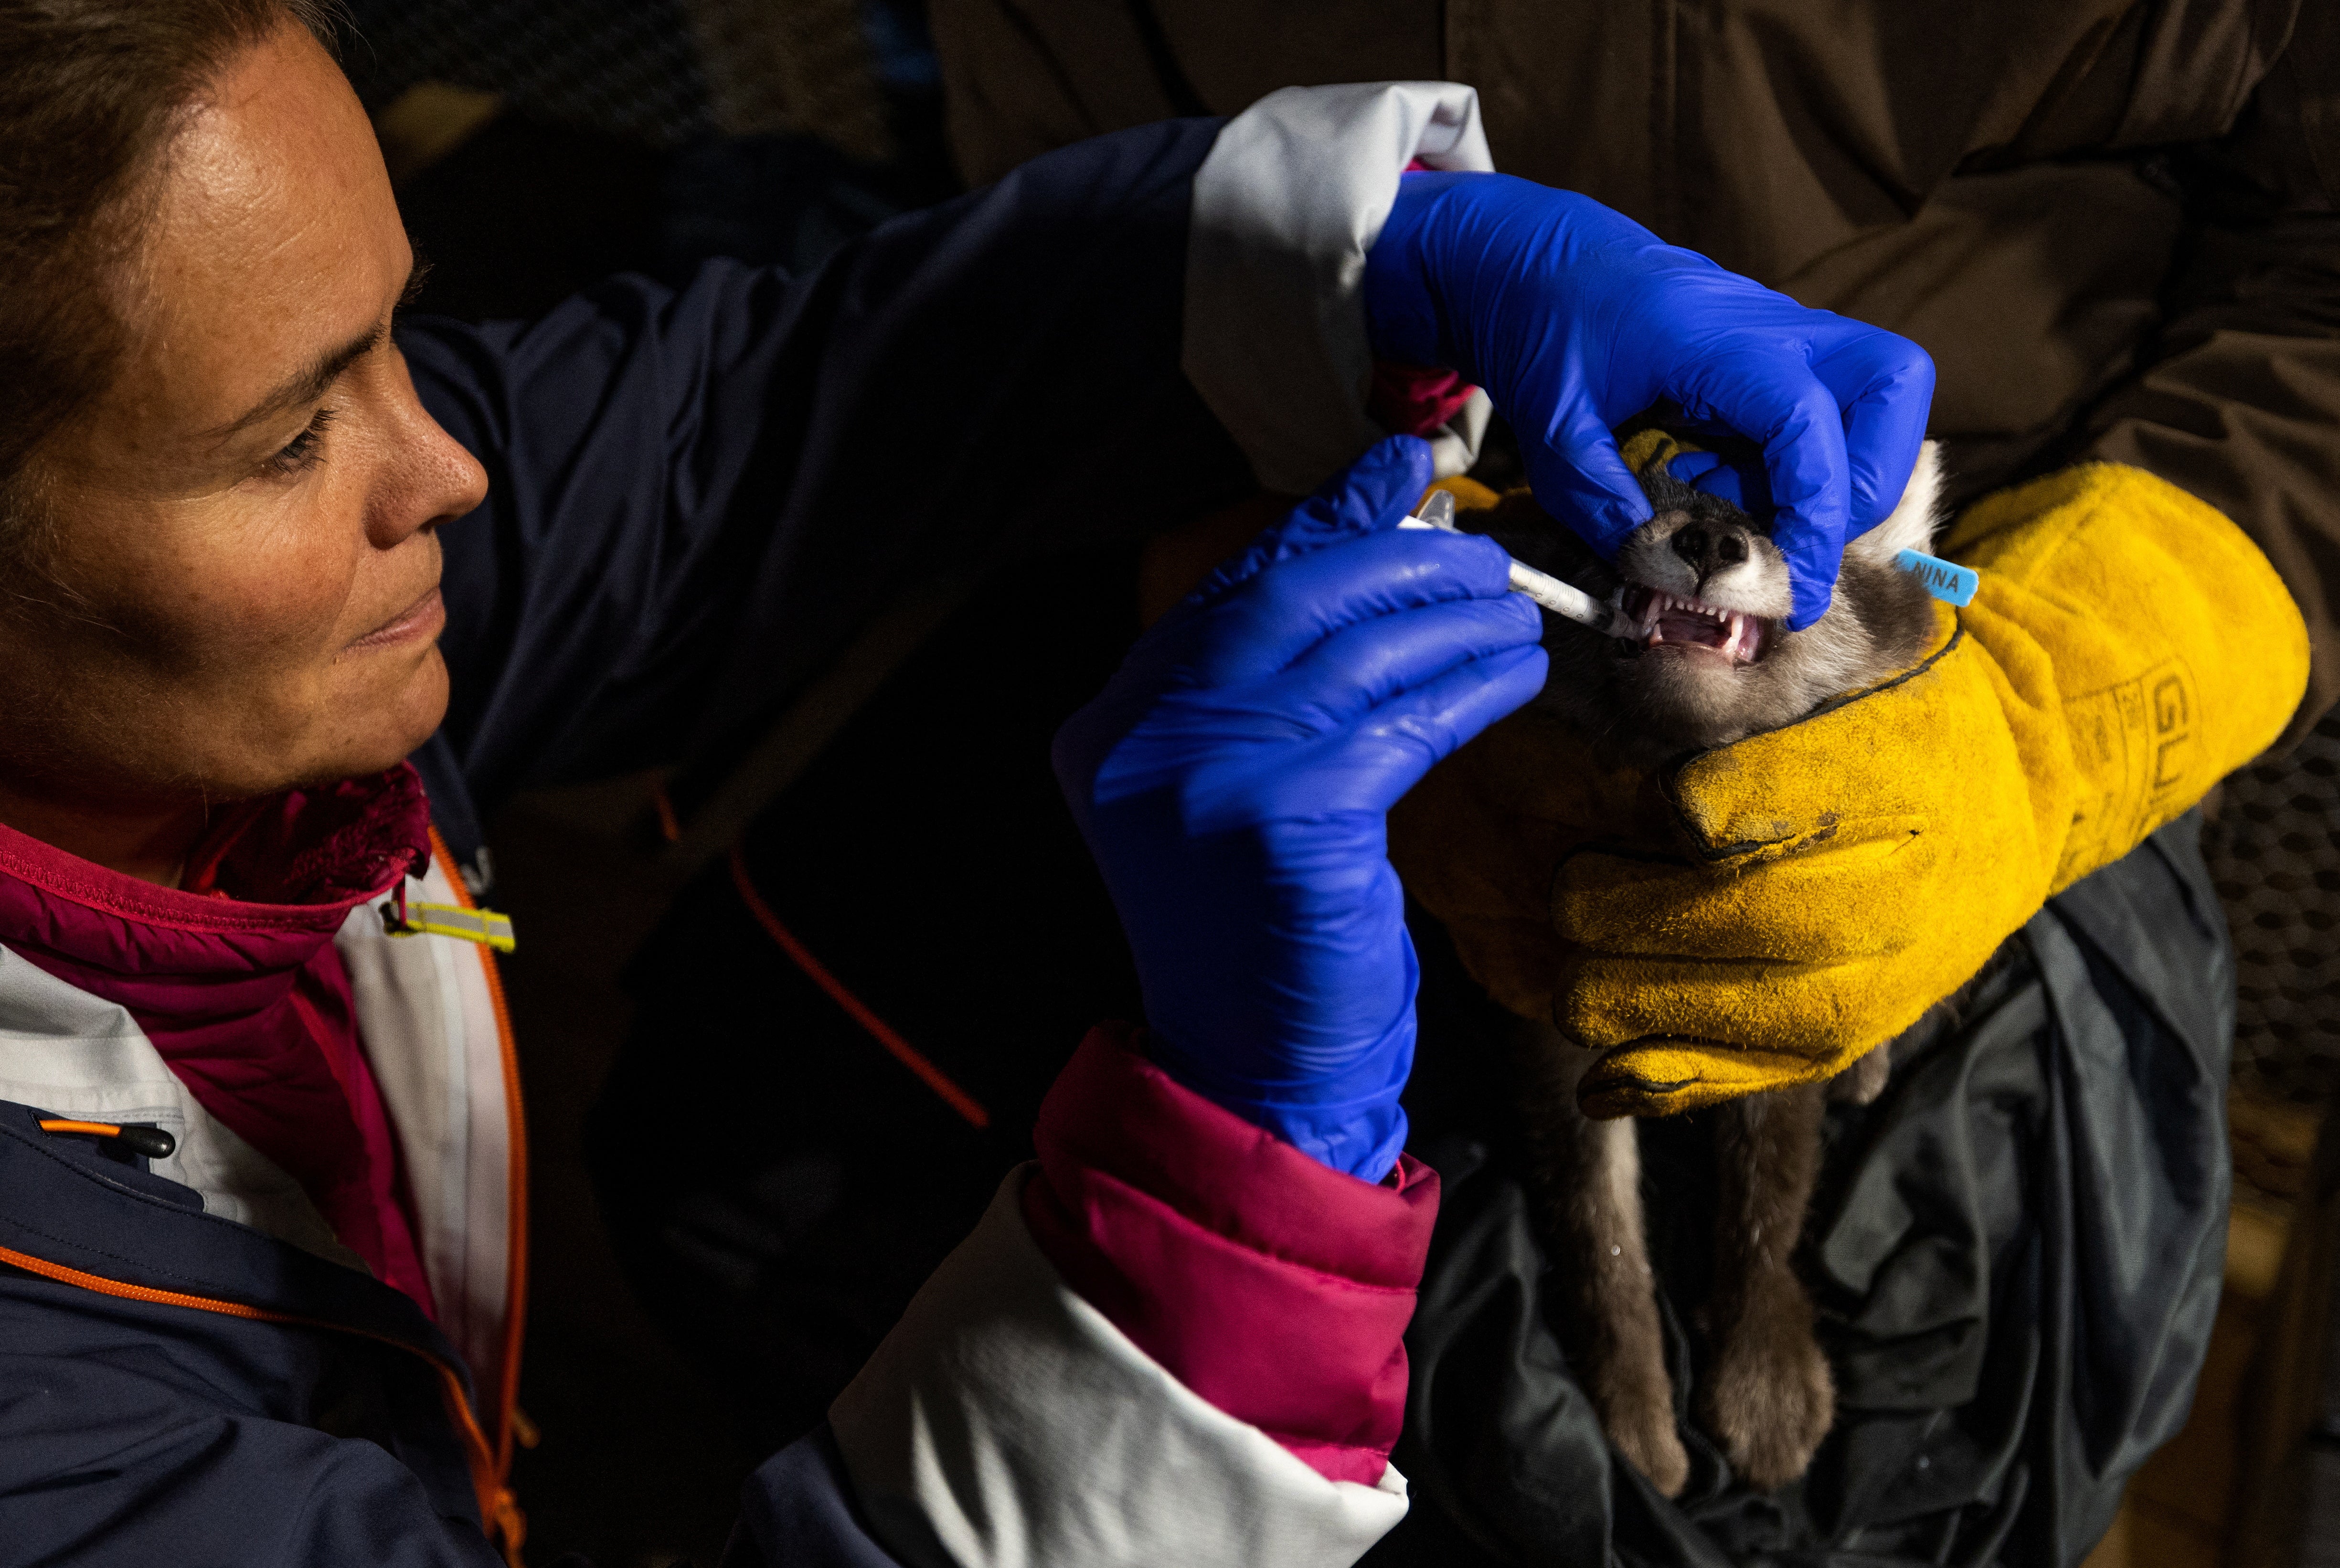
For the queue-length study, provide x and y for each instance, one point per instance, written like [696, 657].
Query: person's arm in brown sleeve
[2236, 398]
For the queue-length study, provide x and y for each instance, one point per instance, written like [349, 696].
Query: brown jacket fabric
[2114, 223]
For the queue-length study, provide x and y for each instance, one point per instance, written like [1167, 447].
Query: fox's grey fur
[1766, 1396]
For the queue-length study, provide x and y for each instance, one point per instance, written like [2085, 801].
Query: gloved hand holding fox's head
[1732, 856]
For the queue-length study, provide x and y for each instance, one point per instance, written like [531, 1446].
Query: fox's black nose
[1709, 548]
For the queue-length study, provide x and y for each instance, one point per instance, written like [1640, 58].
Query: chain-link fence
[666, 73]
[632, 68]
[2275, 851]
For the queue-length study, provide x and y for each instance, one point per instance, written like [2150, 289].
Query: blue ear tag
[1943, 578]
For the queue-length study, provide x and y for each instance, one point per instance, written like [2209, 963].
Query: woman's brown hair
[91, 93]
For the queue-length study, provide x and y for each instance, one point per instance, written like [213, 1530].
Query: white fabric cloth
[428, 1025]
[1291, 195]
[1007, 1424]
[76, 1056]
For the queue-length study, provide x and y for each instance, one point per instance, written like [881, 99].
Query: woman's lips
[420, 619]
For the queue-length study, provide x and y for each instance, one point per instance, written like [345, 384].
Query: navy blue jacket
[698, 498]
[695, 500]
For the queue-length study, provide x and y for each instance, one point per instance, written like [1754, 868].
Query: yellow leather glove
[1764, 913]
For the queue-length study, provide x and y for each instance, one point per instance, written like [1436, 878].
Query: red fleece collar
[294, 863]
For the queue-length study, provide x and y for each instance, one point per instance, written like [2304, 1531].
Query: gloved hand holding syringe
[1437, 510]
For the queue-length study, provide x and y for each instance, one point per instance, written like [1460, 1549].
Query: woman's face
[246, 567]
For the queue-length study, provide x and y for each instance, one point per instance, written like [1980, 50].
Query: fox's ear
[1912, 523]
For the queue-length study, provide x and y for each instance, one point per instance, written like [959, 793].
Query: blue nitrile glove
[1743, 484]
[1233, 778]
[1575, 318]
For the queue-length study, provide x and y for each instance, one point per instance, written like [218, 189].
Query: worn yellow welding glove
[1765, 913]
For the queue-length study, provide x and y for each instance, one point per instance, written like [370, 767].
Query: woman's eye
[304, 451]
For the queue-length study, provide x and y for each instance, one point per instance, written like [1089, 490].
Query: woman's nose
[432, 477]
[462, 483]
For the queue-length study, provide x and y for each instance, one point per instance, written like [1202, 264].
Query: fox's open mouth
[1669, 620]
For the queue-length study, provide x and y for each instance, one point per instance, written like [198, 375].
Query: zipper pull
[152, 1142]
[401, 918]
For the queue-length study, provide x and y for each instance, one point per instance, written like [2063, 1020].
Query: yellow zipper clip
[402, 918]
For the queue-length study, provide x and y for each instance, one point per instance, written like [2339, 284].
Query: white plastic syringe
[1560, 598]
[1943, 578]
